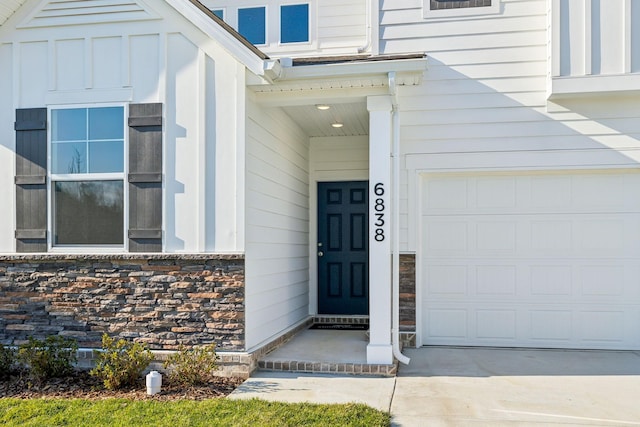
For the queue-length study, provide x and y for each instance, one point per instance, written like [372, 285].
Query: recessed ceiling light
[323, 107]
[337, 125]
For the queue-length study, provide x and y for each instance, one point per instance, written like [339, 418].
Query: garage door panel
[447, 323]
[499, 325]
[580, 280]
[532, 260]
[539, 193]
[494, 324]
[496, 280]
[551, 326]
[551, 281]
[570, 235]
[496, 193]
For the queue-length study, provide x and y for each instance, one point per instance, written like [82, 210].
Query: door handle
[320, 253]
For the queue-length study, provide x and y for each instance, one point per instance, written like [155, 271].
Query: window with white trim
[282, 23]
[219, 13]
[87, 172]
[252, 24]
[294, 23]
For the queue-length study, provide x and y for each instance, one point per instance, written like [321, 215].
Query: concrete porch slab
[325, 351]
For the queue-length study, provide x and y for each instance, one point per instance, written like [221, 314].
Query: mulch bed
[81, 385]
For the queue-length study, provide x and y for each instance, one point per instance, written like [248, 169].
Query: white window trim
[272, 25]
[51, 178]
[427, 13]
[278, 23]
[266, 20]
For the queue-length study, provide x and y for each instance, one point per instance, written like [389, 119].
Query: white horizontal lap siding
[341, 25]
[483, 101]
[277, 230]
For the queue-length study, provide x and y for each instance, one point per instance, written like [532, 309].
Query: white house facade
[451, 172]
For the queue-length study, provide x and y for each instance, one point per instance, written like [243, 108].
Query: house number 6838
[379, 207]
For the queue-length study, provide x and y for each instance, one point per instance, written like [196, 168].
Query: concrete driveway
[475, 386]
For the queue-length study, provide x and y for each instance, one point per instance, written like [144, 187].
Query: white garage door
[531, 260]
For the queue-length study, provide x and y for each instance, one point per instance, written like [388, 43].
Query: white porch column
[379, 350]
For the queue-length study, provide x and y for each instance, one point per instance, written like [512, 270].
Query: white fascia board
[353, 69]
[248, 58]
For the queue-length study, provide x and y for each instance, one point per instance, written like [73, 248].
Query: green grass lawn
[214, 412]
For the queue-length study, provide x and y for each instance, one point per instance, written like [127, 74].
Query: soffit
[8, 8]
[317, 123]
[343, 83]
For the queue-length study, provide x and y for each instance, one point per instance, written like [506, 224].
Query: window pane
[69, 125]
[88, 213]
[69, 157]
[106, 123]
[106, 156]
[252, 24]
[294, 23]
[218, 12]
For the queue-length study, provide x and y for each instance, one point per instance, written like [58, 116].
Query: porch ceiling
[343, 83]
[318, 123]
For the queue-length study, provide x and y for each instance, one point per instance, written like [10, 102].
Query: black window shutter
[31, 180]
[145, 178]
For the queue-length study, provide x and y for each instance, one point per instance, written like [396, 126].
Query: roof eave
[252, 57]
[414, 65]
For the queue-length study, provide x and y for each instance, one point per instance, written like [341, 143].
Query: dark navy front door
[343, 247]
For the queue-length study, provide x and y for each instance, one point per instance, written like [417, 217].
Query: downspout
[395, 224]
[367, 29]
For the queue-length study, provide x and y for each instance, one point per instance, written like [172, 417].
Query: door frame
[345, 208]
[325, 176]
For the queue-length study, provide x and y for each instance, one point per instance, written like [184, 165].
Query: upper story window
[252, 24]
[277, 24]
[219, 13]
[87, 176]
[294, 23]
[446, 8]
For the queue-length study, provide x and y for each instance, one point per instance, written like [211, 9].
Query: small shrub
[192, 366]
[49, 358]
[120, 362]
[7, 361]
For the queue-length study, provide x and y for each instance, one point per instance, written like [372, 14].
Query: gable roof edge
[250, 56]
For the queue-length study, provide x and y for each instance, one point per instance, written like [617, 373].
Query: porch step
[328, 367]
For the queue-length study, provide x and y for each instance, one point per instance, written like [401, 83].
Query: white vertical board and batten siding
[113, 58]
[277, 223]
[595, 46]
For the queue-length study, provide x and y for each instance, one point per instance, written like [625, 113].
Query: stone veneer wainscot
[162, 300]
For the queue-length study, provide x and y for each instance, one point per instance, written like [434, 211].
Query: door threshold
[345, 319]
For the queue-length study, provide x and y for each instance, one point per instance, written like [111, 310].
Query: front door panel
[343, 247]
